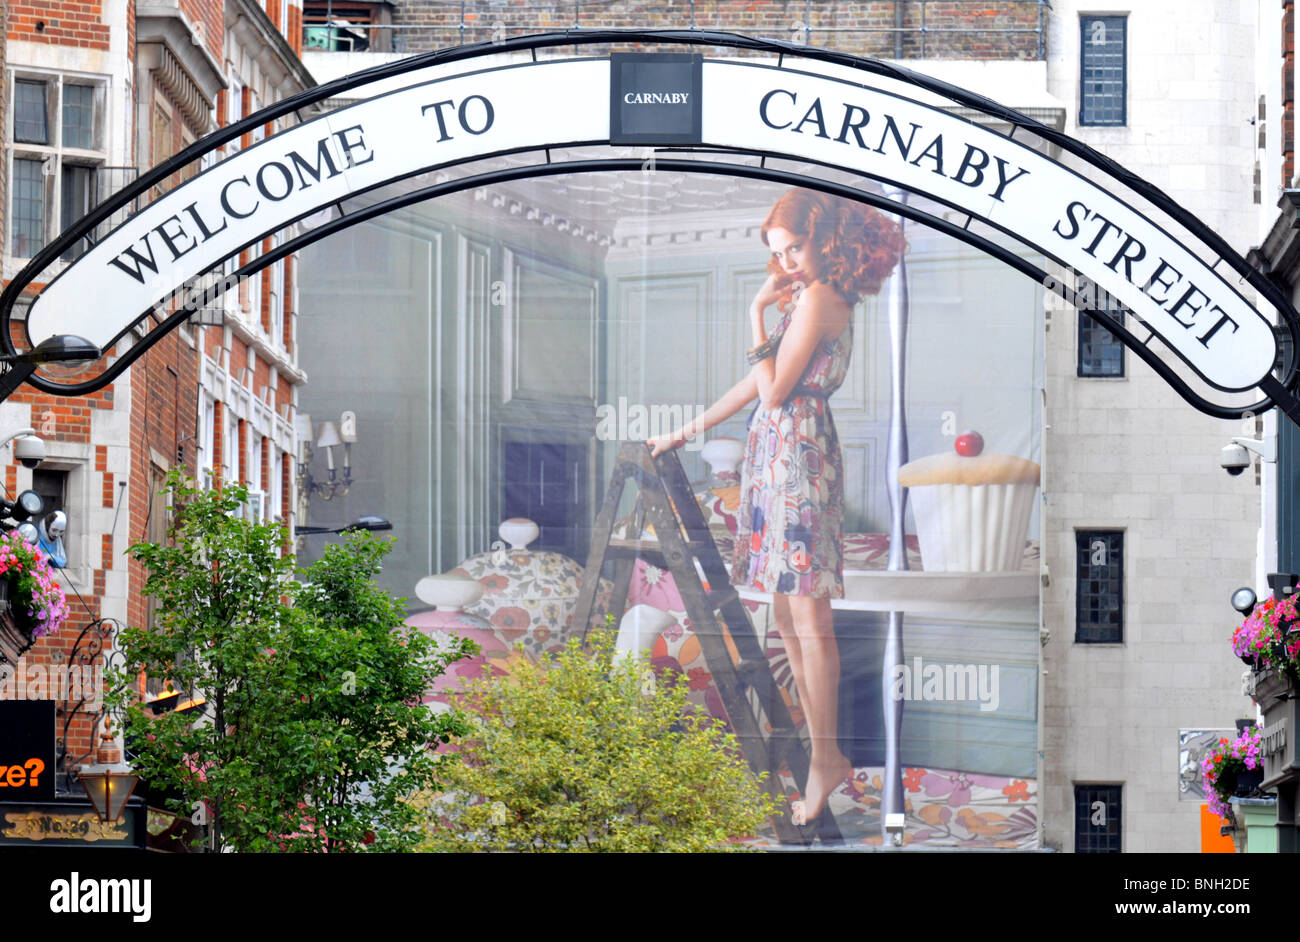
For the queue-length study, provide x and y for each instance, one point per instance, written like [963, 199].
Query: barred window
[1099, 587]
[1097, 819]
[1103, 74]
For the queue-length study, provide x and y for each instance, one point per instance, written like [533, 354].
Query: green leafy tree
[588, 751]
[312, 726]
[354, 722]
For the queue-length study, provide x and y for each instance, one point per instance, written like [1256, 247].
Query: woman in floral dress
[827, 253]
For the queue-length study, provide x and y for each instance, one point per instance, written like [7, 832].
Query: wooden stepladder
[682, 540]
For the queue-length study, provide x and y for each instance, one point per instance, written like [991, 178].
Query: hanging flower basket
[31, 598]
[13, 641]
[1233, 768]
[1269, 638]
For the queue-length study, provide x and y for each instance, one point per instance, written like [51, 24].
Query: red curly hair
[857, 245]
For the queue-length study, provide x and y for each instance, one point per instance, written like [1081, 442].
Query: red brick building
[101, 93]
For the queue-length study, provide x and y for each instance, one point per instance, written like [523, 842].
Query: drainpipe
[900, 14]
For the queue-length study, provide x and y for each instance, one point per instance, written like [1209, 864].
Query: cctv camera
[1234, 459]
[30, 450]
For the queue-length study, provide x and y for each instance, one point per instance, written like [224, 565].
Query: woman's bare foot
[823, 778]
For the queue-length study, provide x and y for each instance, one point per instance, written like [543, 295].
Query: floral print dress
[791, 518]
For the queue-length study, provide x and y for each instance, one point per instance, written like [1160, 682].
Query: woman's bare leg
[790, 640]
[819, 657]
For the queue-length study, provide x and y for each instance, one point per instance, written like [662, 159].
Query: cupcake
[972, 509]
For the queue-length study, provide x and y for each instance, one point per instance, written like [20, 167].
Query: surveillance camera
[1234, 459]
[30, 450]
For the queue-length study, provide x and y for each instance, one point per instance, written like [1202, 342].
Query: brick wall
[289, 293]
[932, 30]
[164, 411]
[59, 22]
[208, 15]
[294, 30]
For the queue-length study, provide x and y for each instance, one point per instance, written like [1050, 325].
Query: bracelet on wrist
[763, 350]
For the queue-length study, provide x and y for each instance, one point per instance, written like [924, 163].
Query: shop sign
[26, 750]
[735, 105]
[1277, 738]
[45, 825]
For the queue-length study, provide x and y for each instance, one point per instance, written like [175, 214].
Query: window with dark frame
[1101, 353]
[80, 188]
[1097, 820]
[52, 485]
[1099, 587]
[1102, 71]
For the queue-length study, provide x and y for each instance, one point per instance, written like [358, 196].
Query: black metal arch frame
[1278, 390]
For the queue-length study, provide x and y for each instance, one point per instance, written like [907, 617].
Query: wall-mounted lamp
[63, 348]
[328, 436]
[109, 782]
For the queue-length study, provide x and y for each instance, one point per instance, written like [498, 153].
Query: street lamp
[62, 348]
[109, 782]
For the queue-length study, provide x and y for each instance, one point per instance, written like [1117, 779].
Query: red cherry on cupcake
[969, 444]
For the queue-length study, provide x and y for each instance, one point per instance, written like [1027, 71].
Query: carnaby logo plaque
[654, 98]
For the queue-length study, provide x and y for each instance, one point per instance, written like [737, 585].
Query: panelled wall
[465, 342]
[474, 335]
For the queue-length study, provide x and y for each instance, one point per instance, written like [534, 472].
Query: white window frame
[230, 457]
[234, 106]
[259, 131]
[206, 435]
[255, 482]
[273, 488]
[254, 307]
[255, 506]
[276, 274]
[54, 154]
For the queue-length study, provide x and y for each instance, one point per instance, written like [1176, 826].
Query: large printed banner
[532, 358]
[741, 105]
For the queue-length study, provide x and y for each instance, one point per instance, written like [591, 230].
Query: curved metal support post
[896, 456]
